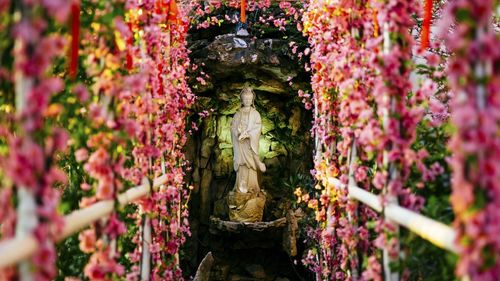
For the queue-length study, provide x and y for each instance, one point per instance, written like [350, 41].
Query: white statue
[246, 202]
[246, 128]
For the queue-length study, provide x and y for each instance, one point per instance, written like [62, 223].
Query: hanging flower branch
[398, 112]
[161, 111]
[33, 144]
[474, 80]
[104, 152]
[363, 101]
[254, 13]
[326, 36]
[355, 75]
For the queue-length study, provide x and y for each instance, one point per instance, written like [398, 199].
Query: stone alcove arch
[226, 63]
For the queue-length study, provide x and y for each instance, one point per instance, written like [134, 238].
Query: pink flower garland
[33, 147]
[329, 37]
[475, 82]
[292, 13]
[354, 82]
[161, 111]
[399, 112]
[109, 121]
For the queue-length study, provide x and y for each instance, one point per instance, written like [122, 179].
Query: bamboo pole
[18, 249]
[433, 231]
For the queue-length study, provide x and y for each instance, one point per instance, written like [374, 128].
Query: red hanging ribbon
[426, 25]
[161, 90]
[376, 27]
[75, 39]
[129, 63]
[158, 7]
[243, 11]
[173, 12]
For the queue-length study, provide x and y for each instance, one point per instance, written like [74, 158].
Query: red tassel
[243, 11]
[75, 39]
[426, 25]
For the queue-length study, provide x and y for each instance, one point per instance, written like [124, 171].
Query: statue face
[246, 99]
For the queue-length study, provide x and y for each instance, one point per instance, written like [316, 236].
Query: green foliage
[70, 260]
[425, 260]
[298, 180]
[125, 241]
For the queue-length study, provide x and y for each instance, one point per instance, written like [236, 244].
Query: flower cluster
[205, 14]
[34, 145]
[363, 102]
[341, 82]
[160, 108]
[474, 81]
[137, 110]
[103, 152]
[399, 111]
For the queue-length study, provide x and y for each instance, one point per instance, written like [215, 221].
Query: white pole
[352, 159]
[146, 254]
[27, 218]
[389, 275]
[433, 231]
[16, 250]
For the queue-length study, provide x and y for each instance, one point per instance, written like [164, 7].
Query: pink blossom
[24, 156]
[81, 92]
[433, 59]
[105, 190]
[122, 27]
[361, 173]
[45, 256]
[57, 142]
[115, 227]
[81, 155]
[435, 106]
[59, 9]
[87, 201]
[97, 114]
[29, 31]
[94, 271]
[87, 240]
[85, 186]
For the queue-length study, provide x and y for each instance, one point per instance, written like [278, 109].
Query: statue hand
[262, 167]
[243, 136]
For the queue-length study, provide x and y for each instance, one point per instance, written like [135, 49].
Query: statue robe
[246, 152]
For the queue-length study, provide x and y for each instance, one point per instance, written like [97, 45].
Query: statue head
[247, 96]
